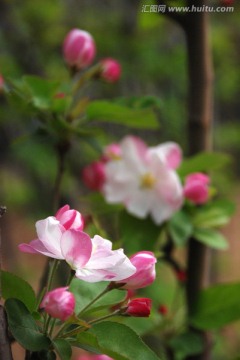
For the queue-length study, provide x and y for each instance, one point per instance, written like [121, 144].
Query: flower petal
[76, 247]
[36, 247]
[49, 233]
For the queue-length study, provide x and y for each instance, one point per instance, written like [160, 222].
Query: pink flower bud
[111, 70]
[196, 188]
[112, 152]
[59, 303]
[70, 219]
[144, 262]
[93, 175]
[94, 357]
[79, 49]
[140, 307]
[1, 82]
[101, 357]
[163, 309]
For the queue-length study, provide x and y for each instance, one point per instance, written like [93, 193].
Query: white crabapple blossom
[144, 179]
[92, 259]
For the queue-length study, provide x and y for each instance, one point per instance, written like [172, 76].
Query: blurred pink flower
[59, 303]
[144, 180]
[170, 153]
[144, 262]
[79, 48]
[196, 188]
[111, 70]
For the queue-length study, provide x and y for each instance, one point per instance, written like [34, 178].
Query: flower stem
[79, 328]
[106, 290]
[52, 271]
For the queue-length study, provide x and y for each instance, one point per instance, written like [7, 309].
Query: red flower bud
[111, 70]
[140, 307]
[163, 309]
[181, 275]
[93, 175]
[226, 2]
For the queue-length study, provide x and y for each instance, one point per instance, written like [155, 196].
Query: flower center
[147, 181]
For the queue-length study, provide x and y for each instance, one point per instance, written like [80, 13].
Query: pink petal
[76, 248]
[37, 247]
[61, 211]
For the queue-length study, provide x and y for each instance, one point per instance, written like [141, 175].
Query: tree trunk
[200, 76]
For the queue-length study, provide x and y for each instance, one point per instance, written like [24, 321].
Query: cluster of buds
[79, 51]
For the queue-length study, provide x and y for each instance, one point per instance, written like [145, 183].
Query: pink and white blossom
[144, 180]
[144, 262]
[92, 259]
[59, 303]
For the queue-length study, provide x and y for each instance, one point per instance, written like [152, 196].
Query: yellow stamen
[147, 181]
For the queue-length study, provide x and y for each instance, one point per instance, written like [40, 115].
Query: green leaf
[121, 342]
[186, 344]
[63, 349]
[118, 114]
[85, 292]
[204, 162]
[87, 341]
[24, 328]
[211, 238]
[15, 287]
[213, 214]
[217, 306]
[180, 228]
[42, 91]
[137, 234]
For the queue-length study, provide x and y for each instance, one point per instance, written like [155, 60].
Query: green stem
[70, 277]
[77, 330]
[53, 268]
[52, 327]
[115, 313]
[47, 322]
[106, 290]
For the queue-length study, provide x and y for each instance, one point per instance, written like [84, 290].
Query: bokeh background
[152, 52]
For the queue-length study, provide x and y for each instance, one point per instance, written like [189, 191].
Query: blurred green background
[152, 52]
